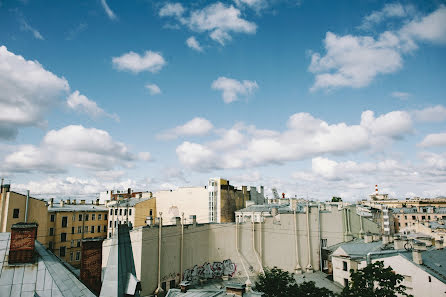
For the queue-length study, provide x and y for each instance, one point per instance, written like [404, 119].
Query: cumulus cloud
[71, 146]
[131, 61]
[435, 139]
[305, 137]
[81, 103]
[390, 10]
[218, 20]
[355, 61]
[431, 114]
[233, 88]
[401, 95]
[153, 89]
[195, 127]
[257, 5]
[111, 15]
[28, 92]
[194, 44]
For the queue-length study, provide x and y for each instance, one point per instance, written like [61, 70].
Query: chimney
[68, 201]
[368, 237]
[376, 189]
[193, 218]
[386, 239]
[150, 194]
[244, 189]
[91, 263]
[274, 211]
[235, 289]
[262, 191]
[283, 195]
[82, 202]
[398, 243]
[438, 244]
[74, 201]
[21, 247]
[178, 221]
[62, 203]
[185, 285]
[376, 237]
[416, 257]
[129, 191]
[149, 221]
[97, 201]
[51, 202]
[420, 246]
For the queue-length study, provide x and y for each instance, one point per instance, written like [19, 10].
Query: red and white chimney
[22, 245]
[376, 189]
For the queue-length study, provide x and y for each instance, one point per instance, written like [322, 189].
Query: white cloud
[401, 95]
[232, 88]
[172, 9]
[431, 114]
[131, 61]
[257, 5]
[195, 127]
[194, 44]
[111, 15]
[390, 10]
[217, 19]
[436, 139]
[79, 102]
[355, 61]
[24, 26]
[305, 137]
[28, 92]
[153, 89]
[144, 156]
[71, 146]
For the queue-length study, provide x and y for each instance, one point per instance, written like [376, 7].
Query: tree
[336, 199]
[277, 282]
[375, 281]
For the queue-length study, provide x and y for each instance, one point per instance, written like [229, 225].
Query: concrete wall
[209, 243]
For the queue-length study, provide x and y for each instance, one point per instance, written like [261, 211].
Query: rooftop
[131, 201]
[358, 248]
[76, 207]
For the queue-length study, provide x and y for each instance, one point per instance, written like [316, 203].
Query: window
[64, 222]
[63, 237]
[120, 211]
[78, 256]
[344, 266]
[111, 224]
[74, 218]
[116, 211]
[116, 222]
[105, 228]
[414, 218]
[163, 286]
[92, 229]
[429, 279]
[86, 216]
[405, 224]
[78, 243]
[428, 217]
[51, 231]
[172, 284]
[130, 212]
[72, 230]
[109, 235]
[99, 217]
[323, 242]
[50, 245]
[79, 229]
[111, 211]
[93, 217]
[86, 229]
[15, 213]
[62, 251]
[105, 216]
[80, 217]
[423, 217]
[151, 212]
[52, 218]
[345, 282]
[405, 217]
[71, 256]
[72, 243]
[125, 212]
[99, 229]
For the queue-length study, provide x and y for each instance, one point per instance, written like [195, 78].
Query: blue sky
[316, 98]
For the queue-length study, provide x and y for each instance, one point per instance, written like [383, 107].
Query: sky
[315, 98]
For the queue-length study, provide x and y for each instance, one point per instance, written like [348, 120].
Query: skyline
[317, 99]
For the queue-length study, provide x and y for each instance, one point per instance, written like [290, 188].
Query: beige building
[204, 251]
[69, 223]
[132, 211]
[406, 218]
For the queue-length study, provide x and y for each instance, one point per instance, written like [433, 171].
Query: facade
[132, 212]
[234, 250]
[69, 223]
[214, 203]
[406, 218]
[112, 195]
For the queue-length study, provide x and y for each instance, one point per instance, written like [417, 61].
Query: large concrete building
[291, 241]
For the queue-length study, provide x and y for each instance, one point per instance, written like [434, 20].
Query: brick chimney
[22, 245]
[91, 263]
[236, 289]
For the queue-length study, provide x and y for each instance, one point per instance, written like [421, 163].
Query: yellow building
[17, 208]
[131, 211]
[69, 223]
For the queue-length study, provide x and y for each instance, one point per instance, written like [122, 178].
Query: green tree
[336, 199]
[375, 281]
[277, 282]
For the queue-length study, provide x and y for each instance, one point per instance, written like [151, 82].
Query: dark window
[64, 222]
[116, 212]
[72, 230]
[52, 218]
[63, 237]
[423, 217]
[345, 282]
[62, 251]
[116, 222]
[150, 212]
[86, 217]
[413, 218]
[172, 284]
[71, 256]
[111, 211]
[163, 286]
[120, 211]
[78, 243]
[80, 217]
[51, 231]
[99, 217]
[105, 229]
[109, 235]
[15, 213]
[50, 245]
[93, 217]
[130, 212]
[344, 266]
[429, 278]
[99, 229]
[428, 217]
[105, 216]
[111, 224]
[78, 256]
[92, 229]
[79, 229]
[125, 212]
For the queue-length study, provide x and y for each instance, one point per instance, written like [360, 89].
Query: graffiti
[169, 276]
[210, 271]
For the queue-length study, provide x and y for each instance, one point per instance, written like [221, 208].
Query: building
[132, 211]
[112, 195]
[196, 252]
[423, 270]
[406, 218]
[69, 223]
[29, 269]
[215, 202]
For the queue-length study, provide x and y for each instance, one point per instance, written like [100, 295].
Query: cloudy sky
[316, 98]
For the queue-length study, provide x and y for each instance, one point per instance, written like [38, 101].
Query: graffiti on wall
[209, 271]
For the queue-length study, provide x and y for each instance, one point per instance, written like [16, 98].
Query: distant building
[112, 195]
[406, 218]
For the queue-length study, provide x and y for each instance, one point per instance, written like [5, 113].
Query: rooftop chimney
[376, 189]
[368, 237]
[416, 257]
[129, 191]
[398, 243]
[376, 237]
[91, 263]
[274, 211]
[82, 201]
[97, 201]
[236, 289]
[386, 239]
[438, 244]
[178, 221]
[149, 221]
[68, 201]
[51, 202]
[21, 247]
[62, 203]
[74, 201]
[283, 195]
[185, 285]
[193, 218]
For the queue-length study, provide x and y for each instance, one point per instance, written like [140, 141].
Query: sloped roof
[131, 201]
[359, 249]
[46, 277]
[434, 262]
[76, 207]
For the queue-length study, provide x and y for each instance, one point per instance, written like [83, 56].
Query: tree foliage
[336, 199]
[277, 282]
[375, 281]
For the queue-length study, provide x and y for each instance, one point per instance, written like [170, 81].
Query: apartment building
[132, 211]
[69, 223]
[406, 218]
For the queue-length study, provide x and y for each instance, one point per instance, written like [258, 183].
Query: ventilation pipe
[26, 206]
[248, 281]
[320, 234]
[298, 269]
[309, 266]
[182, 245]
[254, 245]
[159, 289]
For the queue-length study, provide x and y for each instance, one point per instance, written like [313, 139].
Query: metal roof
[76, 208]
[130, 202]
[360, 249]
[47, 276]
